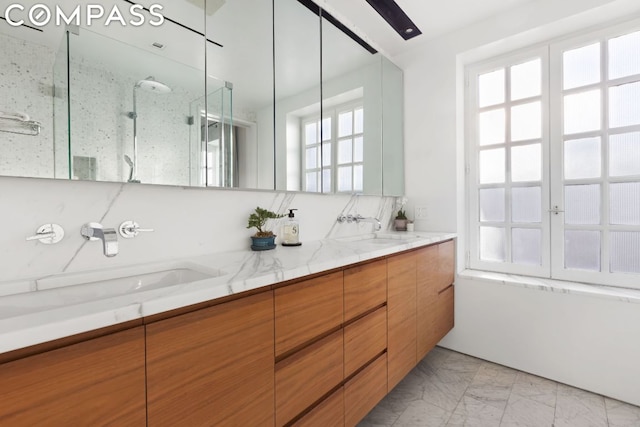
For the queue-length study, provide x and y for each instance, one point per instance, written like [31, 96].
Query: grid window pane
[526, 163]
[526, 121]
[345, 176]
[326, 129]
[492, 204]
[358, 120]
[581, 66]
[358, 178]
[491, 88]
[582, 158]
[345, 151]
[624, 154]
[582, 112]
[493, 244]
[625, 252]
[492, 127]
[582, 204]
[526, 204]
[624, 55]
[624, 206]
[526, 80]
[345, 124]
[312, 181]
[582, 250]
[526, 246]
[311, 134]
[312, 157]
[358, 149]
[624, 105]
[492, 166]
[326, 154]
[326, 180]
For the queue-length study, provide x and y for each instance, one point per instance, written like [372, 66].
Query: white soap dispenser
[291, 231]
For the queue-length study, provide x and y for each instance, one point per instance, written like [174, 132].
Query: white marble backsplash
[188, 222]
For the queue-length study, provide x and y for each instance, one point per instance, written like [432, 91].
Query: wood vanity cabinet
[213, 366]
[401, 275]
[435, 274]
[98, 382]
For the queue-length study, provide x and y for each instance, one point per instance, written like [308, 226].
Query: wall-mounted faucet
[94, 231]
[358, 219]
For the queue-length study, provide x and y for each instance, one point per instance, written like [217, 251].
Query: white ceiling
[433, 18]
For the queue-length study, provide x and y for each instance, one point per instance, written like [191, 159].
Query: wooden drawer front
[307, 375]
[364, 340]
[401, 306]
[446, 261]
[306, 310]
[213, 366]
[363, 392]
[444, 313]
[365, 287]
[330, 413]
[94, 383]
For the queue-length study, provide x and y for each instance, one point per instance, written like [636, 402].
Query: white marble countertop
[48, 308]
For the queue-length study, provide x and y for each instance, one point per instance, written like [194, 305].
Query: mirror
[113, 103]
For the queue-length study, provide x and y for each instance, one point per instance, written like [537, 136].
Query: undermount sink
[76, 288]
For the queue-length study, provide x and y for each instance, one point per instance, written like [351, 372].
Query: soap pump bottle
[291, 230]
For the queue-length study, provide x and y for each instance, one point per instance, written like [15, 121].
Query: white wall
[520, 328]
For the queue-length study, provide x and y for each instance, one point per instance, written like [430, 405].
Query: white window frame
[553, 154]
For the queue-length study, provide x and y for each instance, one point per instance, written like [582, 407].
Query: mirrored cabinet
[256, 94]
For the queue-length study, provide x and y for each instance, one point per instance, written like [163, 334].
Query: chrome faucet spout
[359, 218]
[94, 231]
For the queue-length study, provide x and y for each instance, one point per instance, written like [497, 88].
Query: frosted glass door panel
[526, 204]
[582, 250]
[624, 154]
[526, 163]
[581, 66]
[526, 244]
[582, 158]
[492, 205]
[582, 112]
[526, 80]
[493, 244]
[625, 203]
[624, 55]
[491, 88]
[582, 204]
[624, 105]
[625, 252]
[526, 121]
[492, 166]
[492, 125]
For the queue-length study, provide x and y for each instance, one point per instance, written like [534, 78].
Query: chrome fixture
[93, 231]
[130, 229]
[150, 85]
[48, 234]
[358, 219]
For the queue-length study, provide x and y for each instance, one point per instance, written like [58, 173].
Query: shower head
[151, 85]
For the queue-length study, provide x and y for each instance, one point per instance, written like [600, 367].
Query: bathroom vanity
[320, 348]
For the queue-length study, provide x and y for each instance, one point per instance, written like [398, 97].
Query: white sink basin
[76, 288]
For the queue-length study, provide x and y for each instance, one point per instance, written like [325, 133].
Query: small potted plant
[400, 223]
[263, 239]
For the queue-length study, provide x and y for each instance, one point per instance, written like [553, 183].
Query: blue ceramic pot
[263, 243]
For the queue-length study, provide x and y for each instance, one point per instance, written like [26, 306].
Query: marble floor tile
[450, 389]
[620, 414]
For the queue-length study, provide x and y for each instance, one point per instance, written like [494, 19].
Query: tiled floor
[453, 389]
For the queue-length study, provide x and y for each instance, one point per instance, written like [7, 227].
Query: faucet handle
[130, 229]
[48, 234]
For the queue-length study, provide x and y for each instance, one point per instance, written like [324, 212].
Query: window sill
[557, 286]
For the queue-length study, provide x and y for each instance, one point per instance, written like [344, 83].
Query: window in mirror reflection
[342, 150]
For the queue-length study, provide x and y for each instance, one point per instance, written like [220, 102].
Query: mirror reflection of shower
[150, 84]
